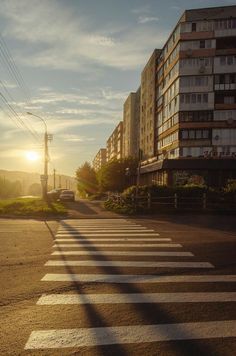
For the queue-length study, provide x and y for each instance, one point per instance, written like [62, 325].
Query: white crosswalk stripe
[131, 264]
[122, 253]
[103, 234]
[91, 237]
[126, 278]
[78, 239]
[48, 339]
[85, 244]
[121, 298]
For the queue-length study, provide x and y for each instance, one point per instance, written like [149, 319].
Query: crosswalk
[118, 252]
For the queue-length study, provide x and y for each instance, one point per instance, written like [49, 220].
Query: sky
[78, 61]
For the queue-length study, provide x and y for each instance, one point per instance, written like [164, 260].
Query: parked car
[67, 195]
[54, 194]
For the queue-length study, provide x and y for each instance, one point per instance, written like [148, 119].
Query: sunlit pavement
[163, 286]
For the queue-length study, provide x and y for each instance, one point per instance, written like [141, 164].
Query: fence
[176, 202]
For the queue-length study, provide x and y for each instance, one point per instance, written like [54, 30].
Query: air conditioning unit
[202, 69]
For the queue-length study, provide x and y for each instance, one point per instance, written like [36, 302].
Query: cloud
[174, 7]
[146, 19]
[61, 124]
[76, 138]
[145, 9]
[79, 46]
[10, 85]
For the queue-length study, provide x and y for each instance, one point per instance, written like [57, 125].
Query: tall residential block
[115, 143]
[148, 106]
[100, 159]
[195, 102]
[131, 115]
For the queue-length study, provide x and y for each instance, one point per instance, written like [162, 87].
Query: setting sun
[32, 156]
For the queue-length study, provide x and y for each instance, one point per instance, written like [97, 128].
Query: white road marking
[122, 253]
[104, 227]
[120, 245]
[123, 298]
[101, 231]
[105, 234]
[112, 239]
[129, 278]
[165, 264]
[88, 219]
[62, 338]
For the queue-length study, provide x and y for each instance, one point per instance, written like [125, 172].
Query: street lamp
[44, 177]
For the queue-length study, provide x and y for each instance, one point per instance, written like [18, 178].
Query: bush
[165, 191]
[230, 186]
[30, 206]
[124, 208]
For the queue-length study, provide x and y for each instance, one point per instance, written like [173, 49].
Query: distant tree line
[9, 189]
[114, 176]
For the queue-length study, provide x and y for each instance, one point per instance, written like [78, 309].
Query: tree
[117, 175]
[35, 189]
[87, 181]
[9, 189]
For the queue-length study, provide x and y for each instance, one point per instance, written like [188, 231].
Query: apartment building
[131, 117]
[114, 145]
[148, 106]
[100, 159]
[192, 108]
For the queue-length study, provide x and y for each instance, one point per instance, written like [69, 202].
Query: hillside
[27, 179]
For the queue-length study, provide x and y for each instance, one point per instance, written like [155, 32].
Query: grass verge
[30, 207]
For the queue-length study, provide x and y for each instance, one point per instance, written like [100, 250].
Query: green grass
[30, 207]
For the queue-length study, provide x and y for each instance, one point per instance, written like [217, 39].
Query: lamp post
[44, 177]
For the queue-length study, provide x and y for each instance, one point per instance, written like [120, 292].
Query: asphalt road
[104, 291]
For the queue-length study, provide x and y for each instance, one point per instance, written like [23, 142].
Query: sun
[32, 155]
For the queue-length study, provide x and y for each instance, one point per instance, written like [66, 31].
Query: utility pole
[47, 137]
[45, 185]
[59, 181]
[54, 178]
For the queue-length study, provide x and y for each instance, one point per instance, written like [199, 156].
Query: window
[194, 98]
[195, 134]
[205, 98]
[198, 134]
[199, 98]
[188, 116]
[230, 60]
[205, 134]
[229, 100]
[191, 135]
[184, 134]
[202, 44]
[194, 27]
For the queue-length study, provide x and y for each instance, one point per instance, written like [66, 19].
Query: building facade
[100, 159]
[131, 117]
[114, 145]
[148, 106]
[192, 109]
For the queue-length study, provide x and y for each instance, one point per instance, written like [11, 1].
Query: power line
[21, 113]
[15, 74]
[13, 68]
[12, 110]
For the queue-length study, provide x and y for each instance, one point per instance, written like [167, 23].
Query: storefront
[211, 172]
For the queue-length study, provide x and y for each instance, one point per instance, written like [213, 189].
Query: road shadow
[150, 313]
[207, 221]
[81, 208]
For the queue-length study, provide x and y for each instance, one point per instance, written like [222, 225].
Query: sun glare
[32, 156]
